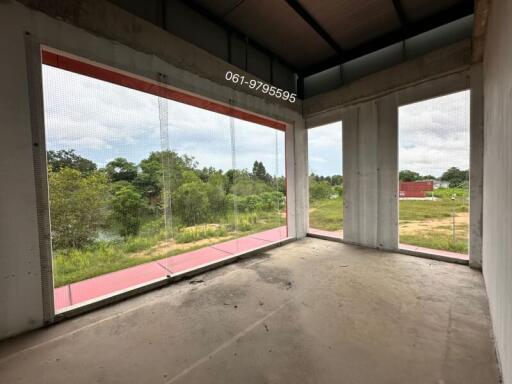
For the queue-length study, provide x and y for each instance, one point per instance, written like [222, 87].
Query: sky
[434, 134]
[325, 149]
[102, 121]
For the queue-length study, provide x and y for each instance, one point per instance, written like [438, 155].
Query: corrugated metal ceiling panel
[353, 22]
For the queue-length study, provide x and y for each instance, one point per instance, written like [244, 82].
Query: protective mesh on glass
[142, 187]
[326, 180]
[259, 185]
[434, 174]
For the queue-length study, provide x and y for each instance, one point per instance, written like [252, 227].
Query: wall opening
[326, 180]
[434, 175]
[146, 182]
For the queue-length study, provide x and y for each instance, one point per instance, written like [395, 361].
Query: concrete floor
[309, 312]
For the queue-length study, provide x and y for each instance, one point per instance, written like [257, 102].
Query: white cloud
[434, 134]
[102, 121]
[325, 149]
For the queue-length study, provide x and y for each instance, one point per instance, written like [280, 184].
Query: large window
[142, 186]
[325, 180]
[434, 175]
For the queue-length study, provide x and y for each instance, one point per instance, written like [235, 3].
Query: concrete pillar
[476, 167]
[370, 174]
[299, 183]
[21, 301]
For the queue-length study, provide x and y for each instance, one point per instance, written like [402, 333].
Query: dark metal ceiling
[312, 35]
[285, 41]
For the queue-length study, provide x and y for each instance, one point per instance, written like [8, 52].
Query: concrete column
[350, 176]
[370, 174]
[299, 183]
[21, 305]
[387, 173]
[476, 167]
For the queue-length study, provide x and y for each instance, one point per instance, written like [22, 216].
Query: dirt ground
[164, 247]
[413, 227]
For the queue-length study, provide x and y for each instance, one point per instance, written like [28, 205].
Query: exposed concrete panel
[476, 167]
[370, 157]
[366, 152]
[350, 142]
[387, 173]
[20, 274]
[497, 206]
[21, 293]
[370, 174]
[482, 8]
[111, 22]
[437, 64]
[300, 175]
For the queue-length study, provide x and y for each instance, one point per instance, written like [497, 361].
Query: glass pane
[434, 174]
[326, 180]
[259, 185]
[142, 187]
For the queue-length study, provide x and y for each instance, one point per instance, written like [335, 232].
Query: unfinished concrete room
[256, 191]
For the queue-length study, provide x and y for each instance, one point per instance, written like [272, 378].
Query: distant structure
[441, 184]
[416, 188]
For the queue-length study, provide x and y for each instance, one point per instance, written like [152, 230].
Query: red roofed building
[416, 188]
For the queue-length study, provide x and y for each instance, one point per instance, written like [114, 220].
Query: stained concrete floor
[312, 311]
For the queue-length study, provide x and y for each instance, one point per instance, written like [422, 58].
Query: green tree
[190, 203]
[190, 177]
[407, 175]
[336, 180]
[455, 177]
[245, 187]
[127, 205]
[319, 190]
[217, 195]
[205, 173]
[121, 169]
[149, 180]
[63, 158]
[259, 172]
[78, 206]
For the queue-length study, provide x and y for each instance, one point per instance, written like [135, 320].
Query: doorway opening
[326, 180]
[434, 175]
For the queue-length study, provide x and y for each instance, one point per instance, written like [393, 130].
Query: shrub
[319, 190]
[126, 206]
[190, 203]
[78, 206]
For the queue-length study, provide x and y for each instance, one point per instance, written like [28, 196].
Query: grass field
[72, 265]
[424, 223]
[326, 214]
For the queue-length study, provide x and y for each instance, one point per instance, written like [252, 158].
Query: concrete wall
[132, 45]
[497, 205]
[369, 111]
[370, 170]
